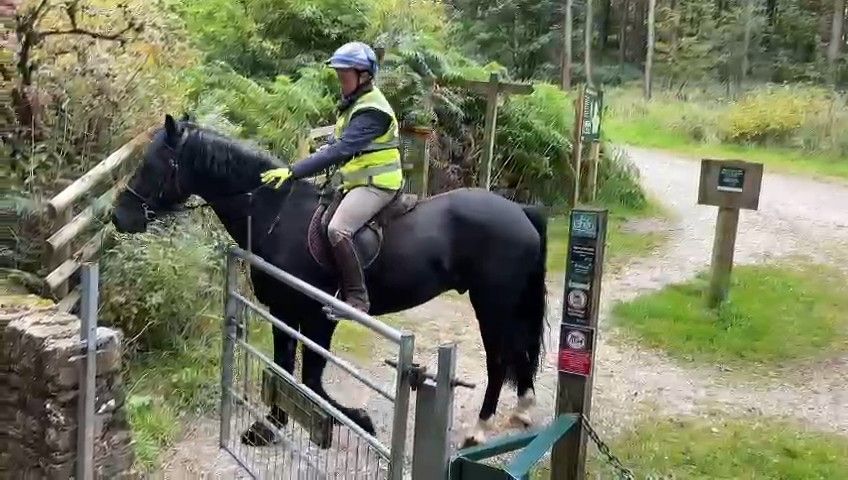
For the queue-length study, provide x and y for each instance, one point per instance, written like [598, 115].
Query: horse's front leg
[320, 330]
[260, 434]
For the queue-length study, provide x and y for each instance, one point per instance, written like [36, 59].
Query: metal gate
[318, 441]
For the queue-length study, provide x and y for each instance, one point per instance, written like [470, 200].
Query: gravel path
[797, 217]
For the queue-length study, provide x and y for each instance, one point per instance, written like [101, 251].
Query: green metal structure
[468, 464]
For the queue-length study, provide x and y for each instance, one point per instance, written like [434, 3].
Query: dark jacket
[364, 126]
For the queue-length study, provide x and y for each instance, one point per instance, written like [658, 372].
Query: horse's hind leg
[489, 307]
[320, 330]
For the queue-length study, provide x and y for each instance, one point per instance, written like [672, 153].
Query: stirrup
[331, 313]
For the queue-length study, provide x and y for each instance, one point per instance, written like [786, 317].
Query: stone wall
[40, 357]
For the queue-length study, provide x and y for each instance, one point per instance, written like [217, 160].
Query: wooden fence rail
[68, 227]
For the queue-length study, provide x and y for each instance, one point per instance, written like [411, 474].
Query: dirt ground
[797, 216]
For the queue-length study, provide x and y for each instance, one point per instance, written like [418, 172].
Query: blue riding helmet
[355, 55]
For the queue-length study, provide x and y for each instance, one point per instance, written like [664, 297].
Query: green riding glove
[278, 175]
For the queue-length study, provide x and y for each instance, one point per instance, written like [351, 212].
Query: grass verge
[623, 242]
[164, 388]
[730, 449]
[645, 133]
[775, 313]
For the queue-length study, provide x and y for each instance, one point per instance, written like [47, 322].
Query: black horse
[465, 240]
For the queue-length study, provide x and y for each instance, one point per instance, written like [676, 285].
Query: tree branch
[88, 33]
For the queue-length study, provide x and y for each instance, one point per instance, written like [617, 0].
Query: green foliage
[714, 448]
[800, 117]
[155, 426]
[276, 113]
[227, 32]
[769, 115]
[519, 34]
[761, 323]
[533, 143]
[618, 181]
[163, 288]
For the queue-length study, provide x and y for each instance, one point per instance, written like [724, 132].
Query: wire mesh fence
[306, 436]
[298, 454]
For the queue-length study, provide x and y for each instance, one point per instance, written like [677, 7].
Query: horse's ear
[185, 117]
[171, 130]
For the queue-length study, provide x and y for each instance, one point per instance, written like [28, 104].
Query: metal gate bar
[238, 350]
[341, 363]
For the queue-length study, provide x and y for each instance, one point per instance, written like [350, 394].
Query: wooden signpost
[730, 185]
[492, 90]
[587, 129]
[578, 336]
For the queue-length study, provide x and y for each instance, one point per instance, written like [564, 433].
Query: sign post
[730, 185]
[492, 90]
[587, 129]
[578, 334]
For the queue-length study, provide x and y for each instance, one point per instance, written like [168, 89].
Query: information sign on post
[592, 107]
[730, 185]
[578, 332]
[587, 129]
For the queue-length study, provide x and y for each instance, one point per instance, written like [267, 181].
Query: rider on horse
[365, 147]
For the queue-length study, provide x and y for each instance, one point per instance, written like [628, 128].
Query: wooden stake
[489, 128]
[587, 50]
[593, 174]
[578, 337]
[723, 247]
[649, 56]
[577, 149]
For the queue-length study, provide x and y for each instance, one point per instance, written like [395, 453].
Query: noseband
[148, 205]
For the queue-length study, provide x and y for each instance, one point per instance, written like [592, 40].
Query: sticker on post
[577, 306]
[575, 350]
[731, 179]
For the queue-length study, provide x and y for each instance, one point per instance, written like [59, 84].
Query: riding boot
[352, 277]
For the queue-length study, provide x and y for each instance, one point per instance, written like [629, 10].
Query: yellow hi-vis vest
[378, 164]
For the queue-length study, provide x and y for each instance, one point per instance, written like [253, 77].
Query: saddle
[368, 240]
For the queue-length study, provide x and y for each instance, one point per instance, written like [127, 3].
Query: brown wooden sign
[730, 183]
[492, 90]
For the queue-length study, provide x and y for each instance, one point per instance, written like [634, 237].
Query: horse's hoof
[521, 415]
[521, 420]
[259, 435]
[361, 418]
[473, 441]
[477, 435]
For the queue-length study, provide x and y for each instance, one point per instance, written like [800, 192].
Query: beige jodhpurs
[355, 210]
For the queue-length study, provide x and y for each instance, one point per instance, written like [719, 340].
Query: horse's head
[156, 186]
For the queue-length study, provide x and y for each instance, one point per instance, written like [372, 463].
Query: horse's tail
[532, 307]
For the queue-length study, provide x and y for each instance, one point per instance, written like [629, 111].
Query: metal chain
[623, 472]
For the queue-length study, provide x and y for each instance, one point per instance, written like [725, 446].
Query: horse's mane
[221, 156]
[218, 157]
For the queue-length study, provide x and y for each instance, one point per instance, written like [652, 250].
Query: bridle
[151, 206]
[148, 205]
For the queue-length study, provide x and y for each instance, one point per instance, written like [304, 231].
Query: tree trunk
[746, 41]
[835, 34]
[623, 18]
[649, 55]
[674, 35]
[567, 55]
[587, 50]
[603, 30]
